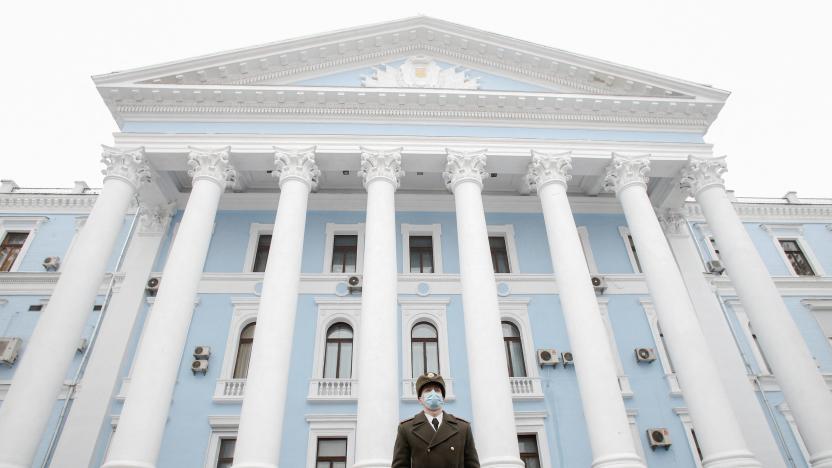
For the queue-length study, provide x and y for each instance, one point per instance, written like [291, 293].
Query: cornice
[62, 203]
[769, 212]
[786, 285]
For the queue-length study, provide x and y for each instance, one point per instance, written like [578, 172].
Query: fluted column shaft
[493, 414]
[378, 364]
[261, 417]
[784, 347]
[606, 417]
[40, 374]
[141, 426]
[717, 430]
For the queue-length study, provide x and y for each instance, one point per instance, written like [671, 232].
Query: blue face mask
[433, 400]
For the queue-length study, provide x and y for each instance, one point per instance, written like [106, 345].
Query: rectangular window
[696, 445]
[225, 457]
[800, 264]
[10, 249]
[332, 453]
[344, 253]
[528, 450]
[262, 253]
[421, 254]
[635, 253]
[499, 254]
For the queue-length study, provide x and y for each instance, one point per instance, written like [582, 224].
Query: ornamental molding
[464, 166]
[211, 164]
[419, 71]
[701, 173]
[154, 219]
[770, 212]
[547, 168]
[297, 164]
[383, 164]
[64, 203]
[626, 170]
[126, 164]
[673, 223]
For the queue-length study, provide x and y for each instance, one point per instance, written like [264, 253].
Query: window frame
[708, 240]
[340, 341]
[687, 423]
[237, 351]
[243, 314]
[793, 232]
[507, 348]
[534, 423]
[333, 229]
[433, 311]
[28, 224]
[635, 263]
[506, 231]
[255, 231]
[432, 230]
[317, 450]
[222, 427]
[424, 342]
[330, 426]
[623, 379]
[744, 322]
[661, 348]
[636, 433]
[329, 312]
[516, 310]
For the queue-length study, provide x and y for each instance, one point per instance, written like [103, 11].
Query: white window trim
[684, 417]
[330, 425]
[433, 311]
[29, 224]
[707, 237]
[624, 231]
[254, 234]
[433, 230]
[516, 311]
[818, 307]
[623, 380]
[330, 311]
[332, 230]
[745, 325]
[534, 422]
[661, 349]
[244, 313]
[80, 222]
[635, 433]
[793, 232]
[789, 417]
[583, 235]
[222, 427]
[507, 231]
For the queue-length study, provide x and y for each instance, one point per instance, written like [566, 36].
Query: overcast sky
[775, 58]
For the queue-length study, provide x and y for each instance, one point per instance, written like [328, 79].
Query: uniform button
[452, 449]
[428, 450]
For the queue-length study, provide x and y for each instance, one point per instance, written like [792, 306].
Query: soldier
[434, 438]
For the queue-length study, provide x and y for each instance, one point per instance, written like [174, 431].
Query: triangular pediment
[343, 58]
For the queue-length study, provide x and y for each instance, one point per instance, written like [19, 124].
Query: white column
[606, 417]
[141, 425]
[40, 374]
[717, 430]
[261, 417]
[786, 352]
[493, 413]
[91, 408]
[378, 361]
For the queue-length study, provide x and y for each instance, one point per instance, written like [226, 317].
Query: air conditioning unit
[202, 352]
[51, 263]
[599, 284]
[9, 347]
[658, 437]
[645, 354]
[152, 286]
[567, 358]
[82, 345]
[715, 267]
[354, 283]
[547, 357]
[199, 366]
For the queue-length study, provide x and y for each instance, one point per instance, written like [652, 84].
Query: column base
[736, 459]
[502, 462]
[372, 464]
[821, 460]
[619, 460]
[127, 464]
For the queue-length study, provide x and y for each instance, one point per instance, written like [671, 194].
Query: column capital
[464, 166]
[546, 168]
[627, 170]
[298, 164]
[702, 172]
[211, 164]
[673, 223]
[381, 163]
[127, 164]
[154, 219]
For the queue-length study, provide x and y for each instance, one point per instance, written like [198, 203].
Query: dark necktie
[435, 423]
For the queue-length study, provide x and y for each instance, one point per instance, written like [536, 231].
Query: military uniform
[418, 445]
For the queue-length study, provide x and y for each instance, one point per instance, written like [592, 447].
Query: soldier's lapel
[422, 430]
[447, 429]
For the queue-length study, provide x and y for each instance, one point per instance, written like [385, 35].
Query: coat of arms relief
[420, 72]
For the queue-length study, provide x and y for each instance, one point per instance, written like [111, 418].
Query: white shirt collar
[430, 418]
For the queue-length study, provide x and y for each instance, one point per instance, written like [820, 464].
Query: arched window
[338, 357]
[514, 350]
[424, 349]
[244, 351]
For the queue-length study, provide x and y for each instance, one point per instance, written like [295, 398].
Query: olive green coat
[419, 446]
